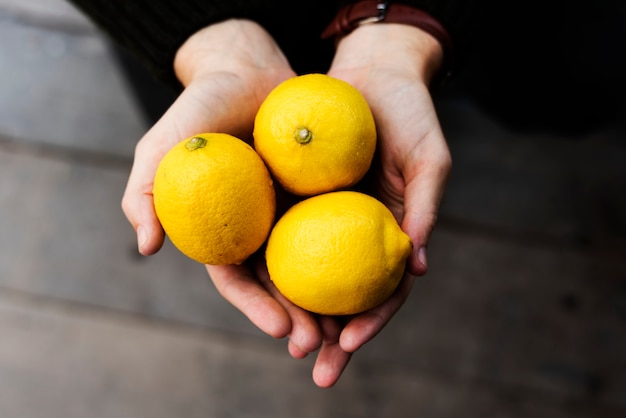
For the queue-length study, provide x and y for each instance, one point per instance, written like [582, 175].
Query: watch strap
[364, 12]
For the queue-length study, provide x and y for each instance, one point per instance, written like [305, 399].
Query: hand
[392, 66]
[227, 69]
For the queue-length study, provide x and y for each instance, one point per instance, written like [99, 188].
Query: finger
[363, 327]
[295, 351]
[305, 333]
[137, 202]
[425, 184]
[238, 286]
[200, 108]
[332, 359]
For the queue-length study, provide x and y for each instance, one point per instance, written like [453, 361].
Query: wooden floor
[523, 313]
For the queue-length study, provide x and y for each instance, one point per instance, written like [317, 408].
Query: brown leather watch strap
[363, 12]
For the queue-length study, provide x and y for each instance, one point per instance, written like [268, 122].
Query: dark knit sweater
[553, 62]
[153, 30]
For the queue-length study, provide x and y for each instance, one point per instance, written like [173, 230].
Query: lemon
[337, 253]
[214, 198]
[316, 134]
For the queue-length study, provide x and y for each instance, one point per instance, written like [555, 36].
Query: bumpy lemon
[214, 198]
[337, 253]
[316, 134]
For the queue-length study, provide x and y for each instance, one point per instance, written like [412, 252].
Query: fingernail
[421, 256]
[142, 237]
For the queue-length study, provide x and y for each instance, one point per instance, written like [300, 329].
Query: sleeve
[456, 16]
[153, 30]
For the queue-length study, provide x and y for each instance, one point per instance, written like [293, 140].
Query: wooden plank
[64, 236]
[66, 361]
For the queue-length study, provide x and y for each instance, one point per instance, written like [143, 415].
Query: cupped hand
[392, 65]
[227, 69]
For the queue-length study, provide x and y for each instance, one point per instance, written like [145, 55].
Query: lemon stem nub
[195, 143]
[303, 136]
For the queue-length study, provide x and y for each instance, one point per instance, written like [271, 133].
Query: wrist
[235, 46]
[396, 47]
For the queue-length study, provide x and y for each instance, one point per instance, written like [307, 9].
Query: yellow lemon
[214, 198]
[337, 253]
[316, 134]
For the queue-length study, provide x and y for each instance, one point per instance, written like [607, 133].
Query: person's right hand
[227, 69]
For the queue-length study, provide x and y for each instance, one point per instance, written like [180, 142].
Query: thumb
[137, 202]
[186, 117]
[425, 184]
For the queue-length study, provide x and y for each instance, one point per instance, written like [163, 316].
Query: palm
[413, 158]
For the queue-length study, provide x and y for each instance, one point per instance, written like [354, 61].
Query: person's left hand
[392, 66]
